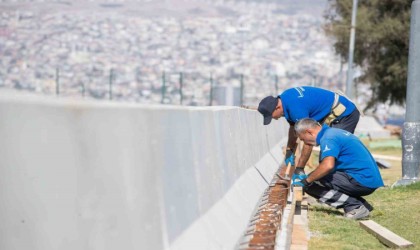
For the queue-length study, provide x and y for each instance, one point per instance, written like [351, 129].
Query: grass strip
[395, 208]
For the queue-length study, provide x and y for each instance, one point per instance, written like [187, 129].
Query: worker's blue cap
[267, 107]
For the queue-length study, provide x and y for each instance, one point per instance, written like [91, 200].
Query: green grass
[397, 209]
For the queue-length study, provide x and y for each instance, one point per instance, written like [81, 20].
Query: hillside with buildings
[138, 45]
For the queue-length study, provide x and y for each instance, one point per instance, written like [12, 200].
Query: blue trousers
[340, 190]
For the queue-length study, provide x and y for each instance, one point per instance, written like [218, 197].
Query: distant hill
[160, 8]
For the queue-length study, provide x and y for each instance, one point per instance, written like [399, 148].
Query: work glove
[289, 157]
[300, 181]
[299, 172]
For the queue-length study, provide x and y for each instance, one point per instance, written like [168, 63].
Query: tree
[381, 44]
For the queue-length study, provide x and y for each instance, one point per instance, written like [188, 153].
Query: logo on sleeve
[347, 133]
[326, 149]
[300, 91]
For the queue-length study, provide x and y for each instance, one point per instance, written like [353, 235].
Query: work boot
[358, 213]
[368, 206]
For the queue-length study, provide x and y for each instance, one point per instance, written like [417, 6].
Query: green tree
[381, 44]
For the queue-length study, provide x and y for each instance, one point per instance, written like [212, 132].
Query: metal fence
[175, 88]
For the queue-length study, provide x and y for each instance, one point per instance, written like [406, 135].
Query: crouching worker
[346, 172]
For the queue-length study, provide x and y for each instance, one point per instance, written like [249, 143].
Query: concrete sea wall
[99, 175]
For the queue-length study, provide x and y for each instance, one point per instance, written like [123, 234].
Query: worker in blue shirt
[346, 172]
[319, 104]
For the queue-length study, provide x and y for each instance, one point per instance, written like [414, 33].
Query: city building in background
[139, 48]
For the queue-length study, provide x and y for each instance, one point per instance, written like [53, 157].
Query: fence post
[242, 90]
[111, 78]
[163, 87]
[82, 86]
[211, 90]
[276, 83]
[181, 79]
[138, 84]
[57, 81]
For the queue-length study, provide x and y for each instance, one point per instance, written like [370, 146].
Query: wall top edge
[10, 96]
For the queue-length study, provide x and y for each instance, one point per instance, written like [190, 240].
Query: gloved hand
[300, 181]
[289, 157]
[299, 171]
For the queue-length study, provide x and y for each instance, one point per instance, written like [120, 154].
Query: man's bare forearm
[324, 168]
[291, 142]
[304, 155]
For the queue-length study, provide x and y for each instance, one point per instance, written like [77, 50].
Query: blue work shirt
[311, 102]
[351, 156]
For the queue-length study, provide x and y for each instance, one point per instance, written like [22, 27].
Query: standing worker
[319, 104]
[346, 172]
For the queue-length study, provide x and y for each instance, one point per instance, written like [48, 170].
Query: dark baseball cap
[267, 107]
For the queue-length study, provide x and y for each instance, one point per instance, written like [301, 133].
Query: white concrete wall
[97, 175]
